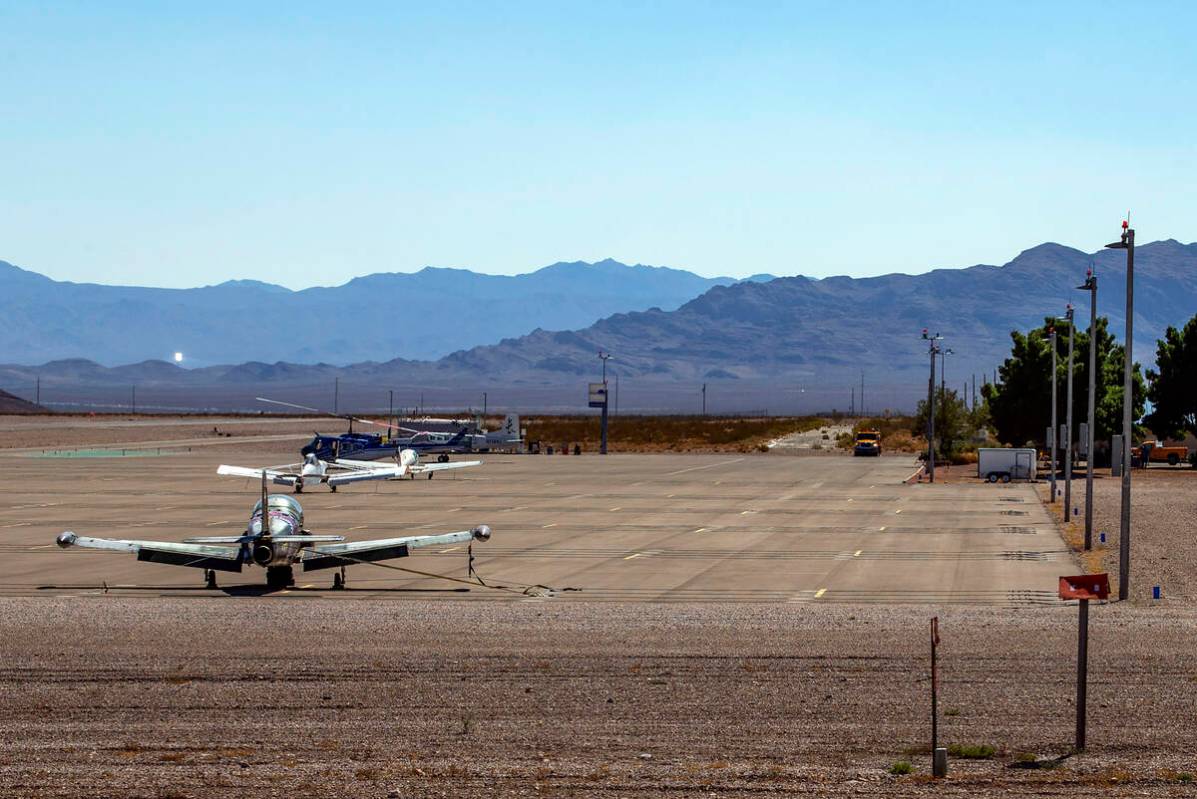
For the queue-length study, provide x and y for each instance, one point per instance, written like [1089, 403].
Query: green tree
[1173, 391]
[954, 423]
[1019, 406]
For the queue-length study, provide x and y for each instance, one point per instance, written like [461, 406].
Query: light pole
[932, 349]
[1126, 242]
[704, 399]
[1090, 286]
[943, 371]
[484, 404]
[1068, 422]
[1054, 431]
[604, 356]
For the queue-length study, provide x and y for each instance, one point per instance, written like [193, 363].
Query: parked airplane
[277, 546]
[372, 446]
[314, 471]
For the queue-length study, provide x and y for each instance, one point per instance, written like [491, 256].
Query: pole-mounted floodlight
[1126, 242]
[1090, 286]
[604, 357]
[932, 349]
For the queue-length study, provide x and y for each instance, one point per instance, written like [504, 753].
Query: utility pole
[1091, 287]
[134, 399]
[484, 398]
[932, 350]
[1055, 433]
[974, 391]
[943, 372]
[704, 399]
[336, 394]
[38, 392]
[862, 405]
[852, 404]
[603, 356]
[1068, 423]
[391, 405]
[616, 393]
[1127, 242]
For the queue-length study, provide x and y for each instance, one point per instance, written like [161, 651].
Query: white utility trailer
[1006, 464]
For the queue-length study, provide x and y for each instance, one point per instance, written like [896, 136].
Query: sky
[303, 144]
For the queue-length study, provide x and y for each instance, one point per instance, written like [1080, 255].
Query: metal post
[484, 399]
[391, 405]
[336, 394]
[931, 418]
[1068, 424]
[1082, 673]
[616, 393]
[852, 403]
[1091, 285]
[704, 399]
[1055, 426]
[134, 398]
[606, 402]
[862, 405]
[38, 392]
[1127, 242]
[939, 760]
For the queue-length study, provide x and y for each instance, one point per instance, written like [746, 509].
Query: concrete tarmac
[660, 528]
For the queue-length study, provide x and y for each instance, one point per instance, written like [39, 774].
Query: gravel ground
[1163, 530]
[263, 698]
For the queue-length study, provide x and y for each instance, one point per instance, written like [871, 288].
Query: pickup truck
[1158, 454]
[868, 442]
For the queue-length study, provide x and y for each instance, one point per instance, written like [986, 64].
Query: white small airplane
[314, 471]
[276, 546]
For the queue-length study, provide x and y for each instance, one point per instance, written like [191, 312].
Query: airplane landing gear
[443, 459]
[279, 577]
[210, 579]
[332, 489]
[299, 486]
[339, 580]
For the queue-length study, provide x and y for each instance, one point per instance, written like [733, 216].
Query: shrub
[901, 767]
[971, 751]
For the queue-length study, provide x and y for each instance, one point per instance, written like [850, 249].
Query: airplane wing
[279, 475]
[200, 556]
[349, 471]
[331, 556]
[421, 468]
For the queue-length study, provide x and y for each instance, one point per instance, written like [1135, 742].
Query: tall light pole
[932, 349]
[1068, 422]
[1090, 286]
[943, 371]
[1054, 431]
[604, 356]
[1126, 242]
[704, 399]
[484, 398]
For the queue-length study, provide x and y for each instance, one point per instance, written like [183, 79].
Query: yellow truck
[1161, 454]
[868, 442]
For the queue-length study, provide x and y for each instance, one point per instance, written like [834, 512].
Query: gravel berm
[271, 697]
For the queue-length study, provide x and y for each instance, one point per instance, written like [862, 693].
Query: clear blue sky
[304, 145]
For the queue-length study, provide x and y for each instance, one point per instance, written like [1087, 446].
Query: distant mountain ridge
[376, 317]
[795, 334]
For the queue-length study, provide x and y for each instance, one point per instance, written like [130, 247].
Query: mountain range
[756, 334]
[422, 315]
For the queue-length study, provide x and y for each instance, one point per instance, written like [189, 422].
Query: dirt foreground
[250, 697]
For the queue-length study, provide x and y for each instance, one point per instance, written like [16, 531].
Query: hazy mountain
[383, 316]
[804, 334]
[798, 328]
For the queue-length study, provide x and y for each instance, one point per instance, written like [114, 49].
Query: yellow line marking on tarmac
[899, 510]
[215, 524]
[547, 526]
[616, 508]
[17, 524]
[450, 549]
[882, 529]
[849, 499]
[820, 592]
[856, 554]
[43, 546]
[638, 554]
[451, 510]
[517, 507]
[166, 507]
[670, 496]
[359, 527]
[699, 468]
[700, 530]
[309, 585]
